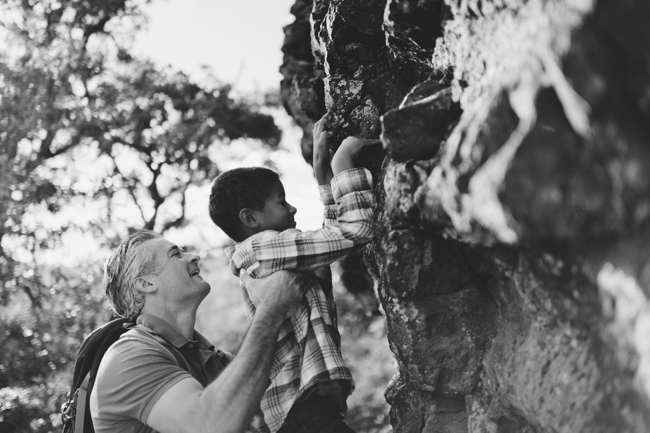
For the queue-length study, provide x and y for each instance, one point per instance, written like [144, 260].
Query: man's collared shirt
[138, 369]
[308, 355]
[201, 356]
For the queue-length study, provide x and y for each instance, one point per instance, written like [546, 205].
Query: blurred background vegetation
[94, 144]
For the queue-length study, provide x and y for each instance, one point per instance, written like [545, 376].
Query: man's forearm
[227, 405]
[232, 399]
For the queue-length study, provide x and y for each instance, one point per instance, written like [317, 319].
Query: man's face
[277, 214]
[180, 279]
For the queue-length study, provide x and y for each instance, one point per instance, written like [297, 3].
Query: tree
[86, 131]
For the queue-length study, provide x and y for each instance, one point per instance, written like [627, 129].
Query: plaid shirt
[309, 344]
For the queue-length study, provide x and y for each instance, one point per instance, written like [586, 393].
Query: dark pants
[317, 414]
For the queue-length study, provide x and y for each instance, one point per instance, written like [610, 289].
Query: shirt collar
[170, 334]
[230, 250]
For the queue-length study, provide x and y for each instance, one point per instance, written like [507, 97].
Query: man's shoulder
[137, 335]
[136, 345]
[133, 374]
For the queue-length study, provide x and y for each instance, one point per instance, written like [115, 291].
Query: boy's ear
[248, 218]
[144, 285]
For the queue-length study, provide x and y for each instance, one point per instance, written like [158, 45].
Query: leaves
[94, 143]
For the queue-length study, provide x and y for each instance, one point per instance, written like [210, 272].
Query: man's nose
[193, 258]
[293, 210]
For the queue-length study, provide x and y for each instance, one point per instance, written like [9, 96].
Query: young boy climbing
[309, 379]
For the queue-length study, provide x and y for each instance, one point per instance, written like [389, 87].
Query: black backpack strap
[82, 398]
[75, 410]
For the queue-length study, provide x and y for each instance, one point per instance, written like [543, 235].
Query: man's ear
[248, 218]
[144, 285]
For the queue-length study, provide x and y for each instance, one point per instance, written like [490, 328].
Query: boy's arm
[329, 205]
[344, 160]
[321, 153]
[270, 251]
[323, 171]
[345, 156]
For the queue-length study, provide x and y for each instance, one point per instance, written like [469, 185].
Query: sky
[239, 39]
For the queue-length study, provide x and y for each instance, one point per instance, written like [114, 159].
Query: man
[140, 387]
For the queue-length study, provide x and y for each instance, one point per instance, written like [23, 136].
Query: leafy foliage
[30, 409]
[94, 143]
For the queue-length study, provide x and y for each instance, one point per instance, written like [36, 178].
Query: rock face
[512, 250]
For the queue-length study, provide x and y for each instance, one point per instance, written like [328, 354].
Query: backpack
[75, 412]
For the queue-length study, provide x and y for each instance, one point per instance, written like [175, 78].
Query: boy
[309, 380]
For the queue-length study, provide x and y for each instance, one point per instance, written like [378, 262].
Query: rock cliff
[512, 249]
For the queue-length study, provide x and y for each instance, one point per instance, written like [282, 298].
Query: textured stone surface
[412, 262]
[566, 164]
[441, 339]
[512, 247]
[302, 86]
[415, 130]
[362, 79]
[561, 188]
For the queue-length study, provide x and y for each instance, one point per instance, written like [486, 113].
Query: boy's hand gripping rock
[321, 162]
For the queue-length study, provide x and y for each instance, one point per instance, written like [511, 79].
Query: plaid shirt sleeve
[270, 251]
[329, 205]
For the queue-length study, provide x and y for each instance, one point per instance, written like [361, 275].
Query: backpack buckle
[69, 408]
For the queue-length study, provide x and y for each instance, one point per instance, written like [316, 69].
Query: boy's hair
[236, 189]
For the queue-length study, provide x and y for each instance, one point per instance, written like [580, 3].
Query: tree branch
[178, 221]
[129, 188]
[158, 200]
[36, 303]
[96, 28]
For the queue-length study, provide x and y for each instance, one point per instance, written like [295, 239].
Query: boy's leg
[317, 414]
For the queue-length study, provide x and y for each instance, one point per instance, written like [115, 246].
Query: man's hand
[345, 156]
[321, 162]
[281, 292]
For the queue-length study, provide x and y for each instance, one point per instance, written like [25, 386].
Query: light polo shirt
[137, 370]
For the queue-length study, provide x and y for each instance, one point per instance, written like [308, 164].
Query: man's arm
[227, 405]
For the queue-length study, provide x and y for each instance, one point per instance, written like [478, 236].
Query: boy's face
[277, 214]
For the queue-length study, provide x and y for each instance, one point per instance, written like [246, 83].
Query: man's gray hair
[128, 262]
